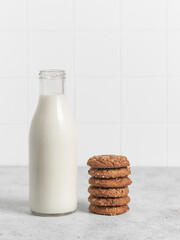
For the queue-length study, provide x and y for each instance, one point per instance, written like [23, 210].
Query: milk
[52, 157]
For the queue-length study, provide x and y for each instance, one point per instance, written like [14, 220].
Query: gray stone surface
[154, 213]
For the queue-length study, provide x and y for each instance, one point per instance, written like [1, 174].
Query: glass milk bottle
[52, 150]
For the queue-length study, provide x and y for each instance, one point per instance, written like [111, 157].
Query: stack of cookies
[109, 184]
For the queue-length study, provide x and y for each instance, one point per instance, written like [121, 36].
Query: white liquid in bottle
[52, 150]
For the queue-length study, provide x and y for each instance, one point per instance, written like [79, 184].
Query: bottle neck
[51, 82]
[51, 87]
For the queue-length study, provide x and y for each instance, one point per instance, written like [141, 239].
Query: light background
[122, 59]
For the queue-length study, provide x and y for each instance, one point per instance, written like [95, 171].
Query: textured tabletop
[154, 209]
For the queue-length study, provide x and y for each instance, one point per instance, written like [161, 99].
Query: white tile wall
[173, 53]
[173, 100]
[95, 105]
[122, 60]
[144, 144]
[13, 54]
[94, 139]
[13, 15]
[173, 144]
[96, 15]
[143, 14]
[173, 14]
[143, 100]
[13, 101]
[50, 49]
[143, 53]
[13, 142]
[50, 15]
[97, 53]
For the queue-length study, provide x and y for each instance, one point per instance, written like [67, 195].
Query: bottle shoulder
[53, 112]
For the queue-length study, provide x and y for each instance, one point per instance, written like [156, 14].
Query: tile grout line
[93, 30]
[126, 76]
[88, 76]
[166, 80]
[105, 123]
[74, 59]
[120, 78]
[27, 79]
[13, 124]
[130, 123]
[27, 62]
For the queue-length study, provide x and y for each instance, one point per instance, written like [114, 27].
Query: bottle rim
[52, 74]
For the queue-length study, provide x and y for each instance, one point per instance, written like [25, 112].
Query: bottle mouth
[52, 74]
